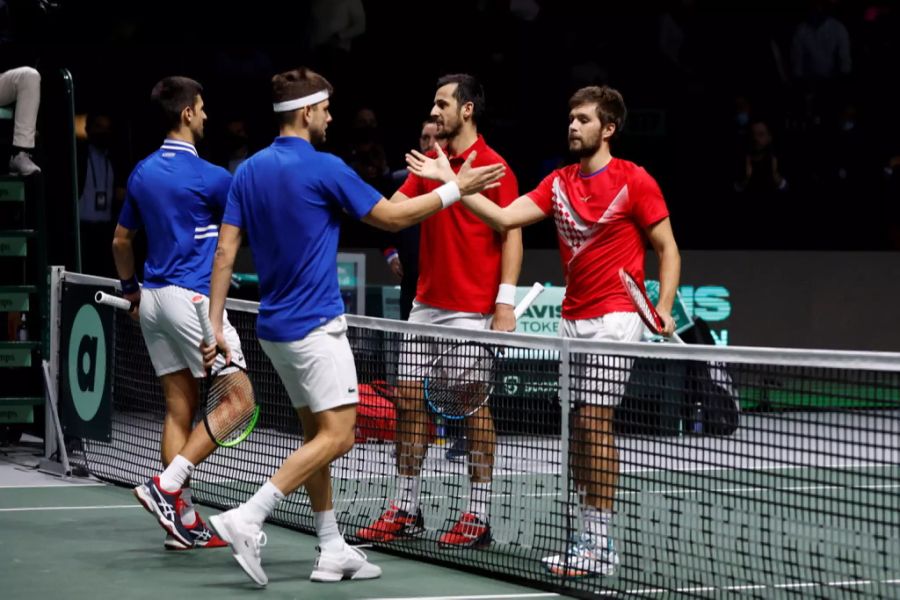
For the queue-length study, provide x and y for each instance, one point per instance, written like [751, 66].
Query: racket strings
[641, 303]
[460, 380]
[230, 404]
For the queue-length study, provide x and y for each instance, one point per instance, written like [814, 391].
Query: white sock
[407, 498]
[330, 537]
[262, 504]
[596, 523]
[480, 500]
[176, 474]
[188, 515]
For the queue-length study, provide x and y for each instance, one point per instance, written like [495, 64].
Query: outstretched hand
[472, 180]
[438, 169]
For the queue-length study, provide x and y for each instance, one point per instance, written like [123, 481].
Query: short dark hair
[294, 84]
[468, 89]
[610, 104]
[172, 95]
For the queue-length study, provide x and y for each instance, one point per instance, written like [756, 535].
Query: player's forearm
[123, 256]
[406, 214]
[487, 211]
[219, 283]
[669, 276]
[511, 257]
[223, 266]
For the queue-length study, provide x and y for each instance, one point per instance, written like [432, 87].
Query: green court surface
[94, 542]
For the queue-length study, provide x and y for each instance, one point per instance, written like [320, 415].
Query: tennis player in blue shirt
[288, 198]
[178, 199]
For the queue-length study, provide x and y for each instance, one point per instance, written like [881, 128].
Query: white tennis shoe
[584, 558]
[347, 563]
[246, 540]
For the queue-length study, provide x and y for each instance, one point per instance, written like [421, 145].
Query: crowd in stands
[767, 129]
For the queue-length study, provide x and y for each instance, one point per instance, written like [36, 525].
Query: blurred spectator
[336, 23]
[366, 153]
[820, 61]
[401, 250]
[22, 85]
[100, 195]
[820, 49]
[236, 144]
[761, 173]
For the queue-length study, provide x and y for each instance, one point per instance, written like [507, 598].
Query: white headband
[289, 105]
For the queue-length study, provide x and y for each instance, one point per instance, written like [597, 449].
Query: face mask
[848, 125]
[742, 119]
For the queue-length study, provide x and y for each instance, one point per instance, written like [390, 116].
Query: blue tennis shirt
[288, 198]
[178, 199]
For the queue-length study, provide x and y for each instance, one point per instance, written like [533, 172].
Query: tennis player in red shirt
[605, 208]
[467, 278]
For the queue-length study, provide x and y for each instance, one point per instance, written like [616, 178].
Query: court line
[480, 597]
[740, 588]
[43, 508]
[674, 491]
[50, 485]
[802, 488]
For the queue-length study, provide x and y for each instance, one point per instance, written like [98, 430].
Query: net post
[565, 432]
[56, 275]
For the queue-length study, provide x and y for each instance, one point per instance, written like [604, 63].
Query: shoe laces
[583, 544]
[261, 541]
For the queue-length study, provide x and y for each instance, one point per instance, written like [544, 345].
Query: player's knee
[339, 441]
[342, 443]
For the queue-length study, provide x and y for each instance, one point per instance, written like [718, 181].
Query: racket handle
[533, 293]
[114, 301]
[201, 305]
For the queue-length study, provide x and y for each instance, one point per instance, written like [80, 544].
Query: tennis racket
[230, 410]
[643, 305]
[114, 301]
[460, 380]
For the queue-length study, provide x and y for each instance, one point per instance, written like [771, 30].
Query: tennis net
[768, 473]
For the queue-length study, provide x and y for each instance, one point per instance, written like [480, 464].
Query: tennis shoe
[468, 532]
[584, 558]
[203, 535]
[392, 525]
[164, 506]
[246, 540]
[457, 450]
[347, 563]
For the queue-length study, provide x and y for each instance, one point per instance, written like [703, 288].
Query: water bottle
[22, 331]
[441, 432]
[697, 418]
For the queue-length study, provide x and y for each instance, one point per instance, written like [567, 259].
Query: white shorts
[417, 353]
[596, 378]
[318, 371]
[172, 332]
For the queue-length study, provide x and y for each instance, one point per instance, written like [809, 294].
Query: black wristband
[130, 286]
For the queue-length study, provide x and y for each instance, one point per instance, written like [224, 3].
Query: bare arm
[663, 241]
[123, 255]
[399, 212]
[523, 211]
[392, 215]
[123, 251]
[223, 266]
[510, 267]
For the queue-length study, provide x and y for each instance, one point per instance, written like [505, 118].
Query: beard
[317, 137]
[582, 149]
[446, 133]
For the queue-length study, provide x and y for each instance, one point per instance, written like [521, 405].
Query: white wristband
[506, 294]
[448, 193]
